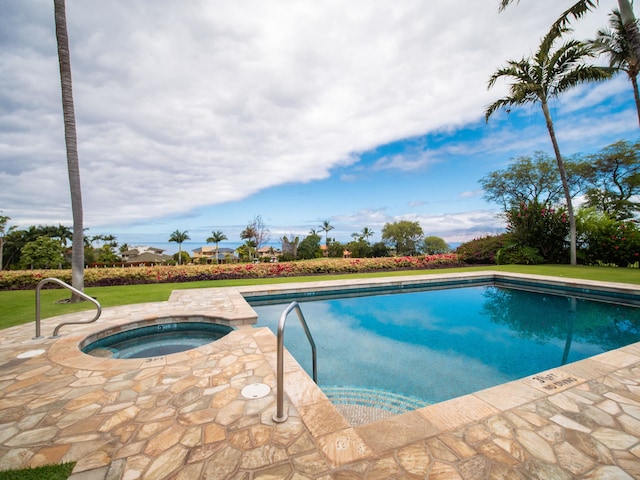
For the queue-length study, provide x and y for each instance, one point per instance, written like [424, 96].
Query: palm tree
[3, 230]
[537, 80]
[73, 165]
[179, 237]
[216, 237]
[614, 43]
[326, 227]
[366, 234]
[581, 7]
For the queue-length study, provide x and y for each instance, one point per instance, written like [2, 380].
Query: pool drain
[255, 390]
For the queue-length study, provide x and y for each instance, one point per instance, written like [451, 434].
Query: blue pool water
[439, 344]
[157, 340]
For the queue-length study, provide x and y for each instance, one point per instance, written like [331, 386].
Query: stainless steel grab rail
[68, 287]
[280, 415]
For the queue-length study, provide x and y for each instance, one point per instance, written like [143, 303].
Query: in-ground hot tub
[154, 337]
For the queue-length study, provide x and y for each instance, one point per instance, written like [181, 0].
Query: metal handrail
[280, 415]
[68, 287]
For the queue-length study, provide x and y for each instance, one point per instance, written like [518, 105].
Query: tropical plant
[614, 43]
[44, 252]
[73, 164]
[404, 235]
[326, 227]
[612, 179]
[179, 237]
[216, 237]
[433, 245]
[546, 75]
[539, 227]
[531, 179]
[3, 231]
[290, 247]
[482, 250]
[606, 240]
[256, 234]
[582, 7]
[309, 247]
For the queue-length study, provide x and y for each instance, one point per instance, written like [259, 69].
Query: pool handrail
[77, 292]
[280, 415]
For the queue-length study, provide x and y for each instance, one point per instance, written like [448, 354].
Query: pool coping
[340, 442]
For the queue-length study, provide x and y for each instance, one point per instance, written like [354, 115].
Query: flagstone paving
[183, 416]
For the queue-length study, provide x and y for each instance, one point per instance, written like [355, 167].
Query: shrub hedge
[97, 277]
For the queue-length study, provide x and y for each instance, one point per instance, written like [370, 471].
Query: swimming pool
[440, 344]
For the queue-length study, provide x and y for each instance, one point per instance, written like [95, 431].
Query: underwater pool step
[378, 399]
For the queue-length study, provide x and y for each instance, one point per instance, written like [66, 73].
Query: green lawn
[48, 472]
[18, 307]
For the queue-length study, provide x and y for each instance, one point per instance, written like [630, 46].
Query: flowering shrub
[609, 241]
[28, 279]
[540, 227]
[482, 250]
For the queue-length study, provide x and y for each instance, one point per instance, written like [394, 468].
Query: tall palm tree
[366, 233]
[326, 227]
[550, 72]
[581, 7]
[73, 165]
[3, 230]
[179, 237]
[216, 237]
[614, 43]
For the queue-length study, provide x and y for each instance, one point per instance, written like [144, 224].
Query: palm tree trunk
[217, 261]
[565, 184]
[636, 95]
[630, 25]
[73, 165]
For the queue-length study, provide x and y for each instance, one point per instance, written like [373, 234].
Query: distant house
[270, 252]
[209, 253]
[144, 254]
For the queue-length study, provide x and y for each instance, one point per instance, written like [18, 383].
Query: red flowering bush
[28, 279]
[608, 241]
[540, 230]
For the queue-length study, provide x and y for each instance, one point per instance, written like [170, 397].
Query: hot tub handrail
[68, 287]
[280, 415]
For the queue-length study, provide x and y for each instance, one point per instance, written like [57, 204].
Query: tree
[403, 235]
[256, 233]
[531, 179]
[613, 180]
[43, 252]
[73, 164]
[326, 227]
[216, 237]
[435, 245]
[3, 231]
[538, 234]
[582, 7]
[614, 43]
[179, 237]
[290, 247]
[537, 80]
[310, 247]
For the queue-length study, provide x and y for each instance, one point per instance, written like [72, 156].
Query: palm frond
[576, 11]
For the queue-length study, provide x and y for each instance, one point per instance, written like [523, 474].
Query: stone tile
[509, 395]
[415, 459]
[396, 431]
[343, 447]
[322, 418]
[454, 413]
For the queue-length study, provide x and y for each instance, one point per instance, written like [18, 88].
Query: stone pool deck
[183, 416]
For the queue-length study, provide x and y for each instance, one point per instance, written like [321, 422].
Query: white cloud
[202, 103]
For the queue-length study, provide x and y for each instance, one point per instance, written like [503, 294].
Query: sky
[200, 115]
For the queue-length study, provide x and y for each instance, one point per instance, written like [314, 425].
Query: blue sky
[201, 118]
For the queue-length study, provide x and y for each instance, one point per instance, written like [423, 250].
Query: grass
[50, 472]
[18, 306]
